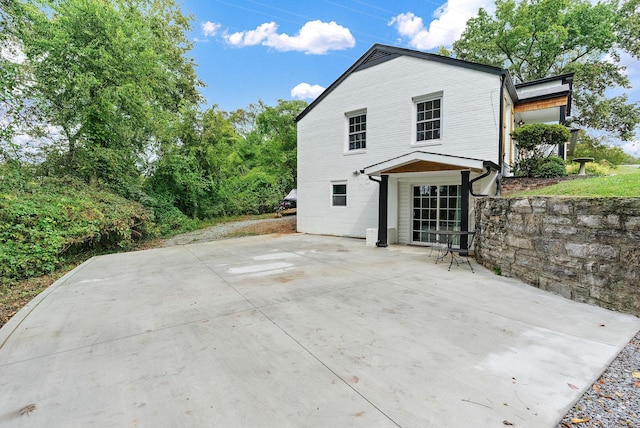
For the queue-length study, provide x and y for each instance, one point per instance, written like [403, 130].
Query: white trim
[462, 163]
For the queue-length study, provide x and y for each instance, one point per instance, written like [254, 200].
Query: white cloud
[449, 22]
[315, 37]
[632, 148]
[252, 37]
[210, 28]
[305, 91]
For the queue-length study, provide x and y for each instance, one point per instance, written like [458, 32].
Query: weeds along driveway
[298, 331]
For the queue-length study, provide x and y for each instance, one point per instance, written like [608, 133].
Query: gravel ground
[614, 399]
[235, 229]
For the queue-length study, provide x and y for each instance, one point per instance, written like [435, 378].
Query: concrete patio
[298, 331]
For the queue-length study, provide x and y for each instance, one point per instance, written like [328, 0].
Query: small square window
[339, 195]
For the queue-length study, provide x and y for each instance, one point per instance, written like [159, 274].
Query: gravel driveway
[231, 230]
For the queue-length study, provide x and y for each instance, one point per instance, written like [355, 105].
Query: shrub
[167, 218]
[525, 167]
[51, 219]
[257, 192]
[538, 138]
[534, 143]
[591, 168]
[549, 167]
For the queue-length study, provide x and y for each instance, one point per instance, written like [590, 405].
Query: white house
[403, 140]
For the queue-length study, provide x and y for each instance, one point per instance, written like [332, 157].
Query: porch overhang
[542, 111]
[420, 161]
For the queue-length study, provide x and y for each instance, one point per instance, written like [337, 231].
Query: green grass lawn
[623, 181]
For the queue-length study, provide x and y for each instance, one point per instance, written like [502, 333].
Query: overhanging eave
[419, 161]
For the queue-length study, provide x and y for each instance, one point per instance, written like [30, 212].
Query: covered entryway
[422, 193]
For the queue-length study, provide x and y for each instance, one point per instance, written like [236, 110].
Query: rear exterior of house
[402, 142]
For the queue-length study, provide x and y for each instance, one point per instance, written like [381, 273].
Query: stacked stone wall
[586, 249]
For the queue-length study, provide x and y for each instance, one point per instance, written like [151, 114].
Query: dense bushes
[549, 167]
[43, 221]
[535, 143]
[591, 168]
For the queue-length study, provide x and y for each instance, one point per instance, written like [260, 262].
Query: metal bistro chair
[439, 245]
[458, 253]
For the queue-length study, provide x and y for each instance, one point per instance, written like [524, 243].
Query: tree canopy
[109, 78]
[535, 39]
[104, 96]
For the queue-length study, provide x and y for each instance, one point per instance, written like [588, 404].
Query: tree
[535, 39]
[214, 163]
[11, 78]
[276, 129]
[593, 147]
[111, 77]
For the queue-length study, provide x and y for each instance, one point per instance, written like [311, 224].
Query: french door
[435, 208]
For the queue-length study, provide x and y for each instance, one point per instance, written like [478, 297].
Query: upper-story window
[357, 131]
[429, 119]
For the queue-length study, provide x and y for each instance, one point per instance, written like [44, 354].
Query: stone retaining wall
[586, 249]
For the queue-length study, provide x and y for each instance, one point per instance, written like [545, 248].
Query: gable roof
[521, 92]
[379, 54]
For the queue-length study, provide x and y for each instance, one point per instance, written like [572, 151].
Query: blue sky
[250, 50]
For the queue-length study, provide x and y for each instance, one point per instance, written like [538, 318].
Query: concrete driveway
[298, 331]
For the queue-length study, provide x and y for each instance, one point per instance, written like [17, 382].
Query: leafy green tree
[539, 38]
[12, 89]
[111, 77]
[276, 129]
[215, 163]
[195, 160]
[592, 147]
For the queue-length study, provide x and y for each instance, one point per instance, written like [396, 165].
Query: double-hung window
[339, 194]
[428, 119]
[357, 131]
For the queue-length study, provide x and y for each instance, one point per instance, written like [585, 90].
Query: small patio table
[449, 236]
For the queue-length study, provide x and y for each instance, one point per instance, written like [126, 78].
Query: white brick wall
[470, 128]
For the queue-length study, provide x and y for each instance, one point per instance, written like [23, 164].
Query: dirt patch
[284, 225]
[281, 225]
[13, 298]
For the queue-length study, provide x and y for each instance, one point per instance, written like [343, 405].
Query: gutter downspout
[501, 129]
[480, 177]
[382, 209]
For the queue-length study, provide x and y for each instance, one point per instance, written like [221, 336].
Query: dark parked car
[289, 202]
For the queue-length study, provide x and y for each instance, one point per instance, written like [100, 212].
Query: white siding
[404, 212]
[470, 128]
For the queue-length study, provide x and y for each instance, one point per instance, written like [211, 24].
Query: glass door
[435, 208]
